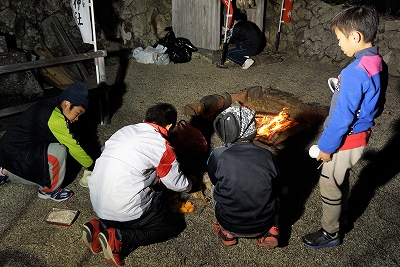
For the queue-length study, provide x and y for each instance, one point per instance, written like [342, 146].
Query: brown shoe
[270, 239]
[226, 238]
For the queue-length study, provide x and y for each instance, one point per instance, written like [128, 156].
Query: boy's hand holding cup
[314, 153]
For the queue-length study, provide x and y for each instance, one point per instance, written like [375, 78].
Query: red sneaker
[111, 247]
[90, 234]
[226, 238]
[270, 239]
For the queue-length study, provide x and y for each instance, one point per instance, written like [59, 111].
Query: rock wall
[132, 23]
[128, 22]
[309, 36]
[20, 87]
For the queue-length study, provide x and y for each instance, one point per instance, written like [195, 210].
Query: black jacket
[247, 181]
[248, 34]
[23, 147]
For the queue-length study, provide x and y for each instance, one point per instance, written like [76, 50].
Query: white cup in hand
[314, 151]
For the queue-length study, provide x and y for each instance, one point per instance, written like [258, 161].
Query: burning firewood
[269, 126]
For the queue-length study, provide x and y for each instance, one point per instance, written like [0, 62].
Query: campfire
[273, 127]
[270, 126]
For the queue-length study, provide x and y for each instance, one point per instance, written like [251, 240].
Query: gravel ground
[26, 240]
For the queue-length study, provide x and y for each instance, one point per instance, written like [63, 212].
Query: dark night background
[387, 7]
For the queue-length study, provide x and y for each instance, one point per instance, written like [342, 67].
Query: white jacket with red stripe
[134, 159]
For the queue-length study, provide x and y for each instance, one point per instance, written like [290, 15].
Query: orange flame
[268, 125]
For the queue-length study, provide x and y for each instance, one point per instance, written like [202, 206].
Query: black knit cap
[240, 16]
[77, 94]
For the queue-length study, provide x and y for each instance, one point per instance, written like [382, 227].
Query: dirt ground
[288, 82]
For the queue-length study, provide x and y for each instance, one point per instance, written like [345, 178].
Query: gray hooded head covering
[235, 123]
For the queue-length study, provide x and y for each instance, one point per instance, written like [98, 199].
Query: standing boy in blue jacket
[357, 101]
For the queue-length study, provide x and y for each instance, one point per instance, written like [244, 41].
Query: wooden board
[198, 21]
[51, 61]
[67, 46]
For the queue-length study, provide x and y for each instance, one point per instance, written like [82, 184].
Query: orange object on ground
[181, 207]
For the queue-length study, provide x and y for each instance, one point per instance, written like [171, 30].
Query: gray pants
[57, 158]
[334, 186]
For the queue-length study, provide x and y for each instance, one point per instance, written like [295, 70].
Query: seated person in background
[34, 148]
[135, 160]
[248, 39]
[246, 181]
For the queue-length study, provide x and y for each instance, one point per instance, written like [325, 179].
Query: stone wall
[132, 23]
[309, 36]
[21, 87]
[129, 22]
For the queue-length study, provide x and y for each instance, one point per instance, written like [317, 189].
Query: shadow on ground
[382, 166]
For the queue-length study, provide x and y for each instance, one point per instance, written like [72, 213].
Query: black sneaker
[321, 239]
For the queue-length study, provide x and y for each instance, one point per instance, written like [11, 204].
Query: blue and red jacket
[359, 100]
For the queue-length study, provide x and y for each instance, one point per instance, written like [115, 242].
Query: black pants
[156, 225]
[238, 53]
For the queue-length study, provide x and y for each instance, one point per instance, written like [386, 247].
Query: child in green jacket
[34, 149]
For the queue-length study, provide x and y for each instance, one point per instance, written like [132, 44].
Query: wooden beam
[51, 61]
[15, 109]
[48, 54]
[67, 46]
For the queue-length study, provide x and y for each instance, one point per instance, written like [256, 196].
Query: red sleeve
[166, 161]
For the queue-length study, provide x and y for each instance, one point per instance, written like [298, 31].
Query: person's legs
[332, 177]
[267, 238]
[331, 180]
[111, 245]
[57, 158]
[238, 54]
[271, 238]
[226, 238]
[90, 235]
[155, 225]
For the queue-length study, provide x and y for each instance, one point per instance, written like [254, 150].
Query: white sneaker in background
[247, 63]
